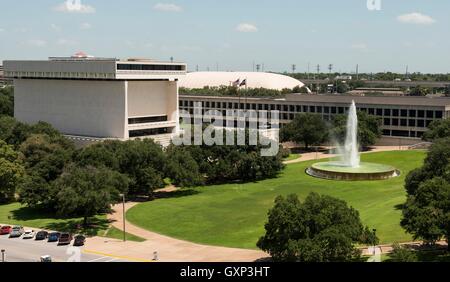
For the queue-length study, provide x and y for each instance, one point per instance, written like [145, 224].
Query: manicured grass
[292, 157]
[16, 214]
[115, 233]
[234, 215]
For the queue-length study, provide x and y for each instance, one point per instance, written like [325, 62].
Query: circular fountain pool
[365, 171]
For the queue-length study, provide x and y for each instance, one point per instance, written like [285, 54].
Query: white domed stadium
[196, 80]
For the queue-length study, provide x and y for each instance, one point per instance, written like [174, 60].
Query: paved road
[20, 250]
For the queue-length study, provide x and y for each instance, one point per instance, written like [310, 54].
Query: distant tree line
[311, 130]
[231, 91]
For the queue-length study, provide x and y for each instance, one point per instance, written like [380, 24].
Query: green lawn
[234, 215]
[292, 157]
[115, 233]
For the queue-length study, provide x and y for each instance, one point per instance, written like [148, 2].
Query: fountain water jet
[351, 155]
[350, 166]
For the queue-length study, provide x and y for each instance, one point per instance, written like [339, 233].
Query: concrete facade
[99, 98]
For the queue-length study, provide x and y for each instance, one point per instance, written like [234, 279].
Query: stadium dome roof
[266, 80]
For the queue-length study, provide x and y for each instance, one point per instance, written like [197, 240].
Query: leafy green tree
[402, 254]
[88, 191]
[437, 129]
[369, 129]
[11, 172]
[419, 91]
[307, 129]
[7, 101]
[426, 214]
[322, 229]
[44, 159]
[182, 168]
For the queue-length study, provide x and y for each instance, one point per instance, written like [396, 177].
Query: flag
[243, 83]
[237, 82]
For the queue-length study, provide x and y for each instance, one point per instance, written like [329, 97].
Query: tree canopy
[437, 129]
[427, 210]
[11, 172]
[321, 229]
[88, 191]
[308, 129]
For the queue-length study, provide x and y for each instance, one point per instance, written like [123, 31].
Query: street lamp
[374, 240]
[3, 255]
[123, 217]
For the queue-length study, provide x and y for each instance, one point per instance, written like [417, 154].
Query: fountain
[350, 167]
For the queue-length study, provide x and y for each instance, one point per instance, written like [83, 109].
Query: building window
[395, 113]
[147, 120]
[387, 112]
[412, 113]
[404, 113]
[430, 114]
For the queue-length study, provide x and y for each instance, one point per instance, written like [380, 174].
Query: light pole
[123, 217]
[3, 255]
[374, 240]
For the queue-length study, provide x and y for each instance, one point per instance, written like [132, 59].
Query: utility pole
[258, 67]
[308, 69]
[357, 72]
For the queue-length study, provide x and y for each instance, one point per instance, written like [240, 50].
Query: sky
[232, 35]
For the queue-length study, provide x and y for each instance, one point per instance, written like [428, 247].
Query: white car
[29, 234]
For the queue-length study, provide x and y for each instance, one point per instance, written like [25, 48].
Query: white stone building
[89, 98]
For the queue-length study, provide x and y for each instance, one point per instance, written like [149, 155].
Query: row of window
[150, 67]
[148, 132]
[142, 120]
[320, 109]
[403, 133]
[59, 74]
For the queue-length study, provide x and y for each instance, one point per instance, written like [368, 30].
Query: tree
[402, 254]
[309, 129]
[437, 129]
[426, 214]
[7, 101]
[88, 191]
[44, 159]
[419, 91]
[322, 229]
[369, 130]
[11, 172]
[182, 168]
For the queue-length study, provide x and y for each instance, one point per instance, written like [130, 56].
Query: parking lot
[30, 250]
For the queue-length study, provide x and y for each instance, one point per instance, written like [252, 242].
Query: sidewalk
[169, 249]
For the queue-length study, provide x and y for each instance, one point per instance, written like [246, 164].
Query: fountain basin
[365, 171]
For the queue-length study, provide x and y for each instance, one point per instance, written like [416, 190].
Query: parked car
[5, 230]
[54, 237]
[29, 234]
[79, 241]
[16, 232]
[41, 235]
[65, 239]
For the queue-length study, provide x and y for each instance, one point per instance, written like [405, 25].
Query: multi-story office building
[99, 98]
[403, 119]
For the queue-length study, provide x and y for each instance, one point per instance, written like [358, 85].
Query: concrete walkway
[169, 249]
[322, 155]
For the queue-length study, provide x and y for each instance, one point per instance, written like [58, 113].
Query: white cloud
[359, 46]
[36, 43]
[246, 27]
[85, 26]
[416, 18]
[167, 7]
[74, 6]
